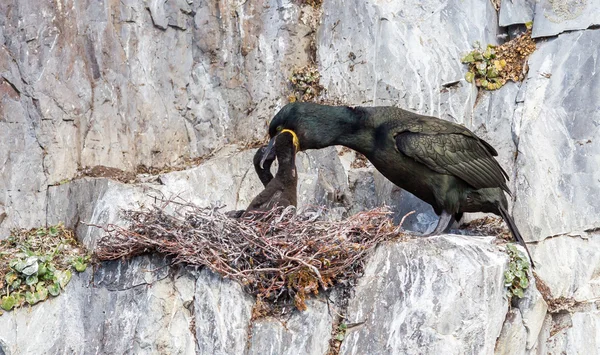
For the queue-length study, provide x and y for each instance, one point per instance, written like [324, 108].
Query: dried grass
[276, 255]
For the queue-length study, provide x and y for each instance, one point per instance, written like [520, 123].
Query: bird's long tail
[515, 231]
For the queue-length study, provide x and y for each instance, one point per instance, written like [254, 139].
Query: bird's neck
[341, 125]
[353, 129]
[286, 172]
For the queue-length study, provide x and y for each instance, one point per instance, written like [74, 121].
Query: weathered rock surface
[513, 337]
[126, 83]
[307, 332]
[411, 304]
[556, 16]
[126, 315]
[516, 12]
[144, 307]
[559, 138]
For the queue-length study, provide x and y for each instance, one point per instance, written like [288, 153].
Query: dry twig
[287, 257]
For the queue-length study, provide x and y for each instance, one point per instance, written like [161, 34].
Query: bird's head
[312, 126]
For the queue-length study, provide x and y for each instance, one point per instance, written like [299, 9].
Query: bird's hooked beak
[271, 144]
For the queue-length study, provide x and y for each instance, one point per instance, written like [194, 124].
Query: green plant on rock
[491, 68]
[485, 68]
[36, 264]
[305, 83]
[516, 278]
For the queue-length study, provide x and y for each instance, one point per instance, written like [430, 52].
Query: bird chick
[280, 190]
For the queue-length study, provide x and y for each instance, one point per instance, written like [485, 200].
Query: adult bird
[282, 189]
[440, 162]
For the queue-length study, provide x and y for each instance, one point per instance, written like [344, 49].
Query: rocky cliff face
[125, 84]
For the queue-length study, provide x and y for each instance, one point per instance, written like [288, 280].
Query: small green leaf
[468, 58]
[42, 270]
[63, 277]
[79, 266]
[469, 76]
[492, 73]
[20, 299]
[41, 232]
[343, 326]
[53, 231]
[512, 248]
[31, 298]
[49, 276]
[31, 280]
[19, 265]
[524, 282]
[518, 292]
[42, 294]
[11, 277]
[8, 302]
[16, 284]
[340, 337]
[54, 289]
[519, 274]
[529, 24]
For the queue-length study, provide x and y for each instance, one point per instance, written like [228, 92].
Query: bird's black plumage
[264, 171]
[442, 163]
[280, 190]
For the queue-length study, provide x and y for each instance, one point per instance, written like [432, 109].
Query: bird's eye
[279, 128]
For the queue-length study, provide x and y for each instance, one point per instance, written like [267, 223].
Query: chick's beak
[267, 151]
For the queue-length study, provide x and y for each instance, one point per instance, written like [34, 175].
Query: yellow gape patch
[294, 139]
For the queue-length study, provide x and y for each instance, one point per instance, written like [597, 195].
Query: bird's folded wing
[465, 157]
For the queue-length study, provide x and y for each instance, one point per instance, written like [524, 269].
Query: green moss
[516, 278]
[37, 263]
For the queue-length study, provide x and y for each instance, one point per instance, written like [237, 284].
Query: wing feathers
[464, 156]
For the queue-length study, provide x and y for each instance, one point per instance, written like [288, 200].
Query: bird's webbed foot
[446, 219]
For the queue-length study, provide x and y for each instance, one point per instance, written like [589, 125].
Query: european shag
[263, 172]
[440, 162]
[281, 190]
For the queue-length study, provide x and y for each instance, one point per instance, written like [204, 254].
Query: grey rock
[560, 138]
[222, 313]
[403, 54]
[513, 337]
[556, 16]
[322, 180]
[493, 117]
[306, 332]
[516, 12]
[126, 83]
[571, 333]
[532, 312]
[402, 203]
[569, 265]
[411, 304]
[90, 319]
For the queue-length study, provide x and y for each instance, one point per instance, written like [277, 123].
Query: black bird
[280, 190]
[264, 171]
[440, 162]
